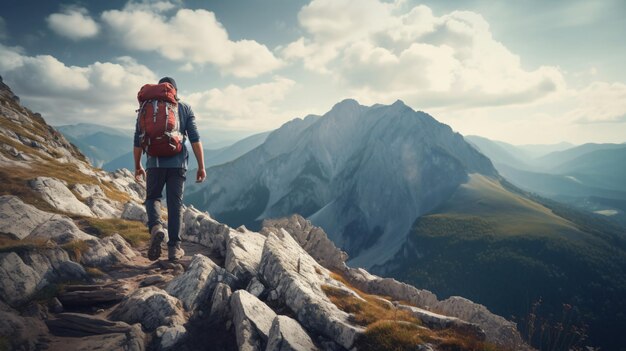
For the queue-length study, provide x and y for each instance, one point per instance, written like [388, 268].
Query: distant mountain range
[589, 176]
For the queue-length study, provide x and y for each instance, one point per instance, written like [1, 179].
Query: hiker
[163, 124]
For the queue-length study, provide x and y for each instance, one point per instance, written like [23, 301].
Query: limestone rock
[134, 212]
[59, 229]
[196, 285]
[124, 181]
[19, 219]
[200, 228]
[77, 324]
[88, 190]
[286, 334]
[55, 193]
[298, 281]
[220, 302]
[252, 319]
[103, 207]
[243, 253]
[255, 287]
[25, 332]
[107, 251]
[437, 321]
[18, 281]
[170, 336]
[150, 306]
[311, 238]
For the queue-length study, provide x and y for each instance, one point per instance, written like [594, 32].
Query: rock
[198, 282]
[56, 193]
[77, 324]
[437, 321]
[55, 306]
[103, 208]
[497, 329]
[243, 254]
[134, 212]
[133, 340]
[107, 251]
[88, 190]
[200, 228]
[253, 320]
[298, 281]
[96, 297]
[18, 281]
[125, 182]
[150, 306]
[61, 230]
[19, 219]
[21, 333]
[311, 238]
[170, 336]
[152, 280]
[255, 287]
[286, 334]
[220, 302]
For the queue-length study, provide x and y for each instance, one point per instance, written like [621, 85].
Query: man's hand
[201, 175]
[140, 174]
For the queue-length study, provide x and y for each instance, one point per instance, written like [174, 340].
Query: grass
[75, 249]
[133, 232]
[8, 244]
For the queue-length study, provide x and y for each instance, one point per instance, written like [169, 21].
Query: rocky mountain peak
[72, 270]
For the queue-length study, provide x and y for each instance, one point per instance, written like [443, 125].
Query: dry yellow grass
[133, 232]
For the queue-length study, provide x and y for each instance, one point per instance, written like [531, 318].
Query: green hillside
[496, 246]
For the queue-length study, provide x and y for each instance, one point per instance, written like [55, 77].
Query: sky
[527, 72]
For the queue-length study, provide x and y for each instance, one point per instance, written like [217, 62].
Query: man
[168, 172]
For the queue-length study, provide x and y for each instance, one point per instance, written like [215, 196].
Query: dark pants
[173, 179]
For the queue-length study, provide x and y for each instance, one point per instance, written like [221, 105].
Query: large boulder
[196, 285]
[200, 228]
[252, 319]
[150, 306]
[311, 238]
[220, 302]
[106, 251]
[297, 281]
[134, 212]
[286, 334]
[19, 219]
[61, 230]
[243, 253]
[18, 281]
[21, 333]
[56, 193]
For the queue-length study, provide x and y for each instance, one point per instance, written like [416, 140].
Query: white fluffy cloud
[244, 108]
[600, 102]
[102, 92]
[384, 51]
[189, 36]
[74, 23]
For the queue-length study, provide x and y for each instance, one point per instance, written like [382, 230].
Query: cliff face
[72, 269]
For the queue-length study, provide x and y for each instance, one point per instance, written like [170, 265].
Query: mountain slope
[100, 144]
[555, 159]
[362, 173]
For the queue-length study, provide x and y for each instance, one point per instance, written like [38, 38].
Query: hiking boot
[175, 252]
[157, 234]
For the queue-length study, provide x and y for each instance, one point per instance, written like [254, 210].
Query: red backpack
[159, 126]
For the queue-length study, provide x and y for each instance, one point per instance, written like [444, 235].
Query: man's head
[168, 80]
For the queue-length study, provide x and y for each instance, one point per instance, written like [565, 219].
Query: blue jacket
[188, 129]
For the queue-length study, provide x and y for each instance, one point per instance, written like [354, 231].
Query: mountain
[553, 160]
[100, 144]
[399, 191]
[73, 272]
[212, 157]
[501, 153]
[539, 150]
[364, 174]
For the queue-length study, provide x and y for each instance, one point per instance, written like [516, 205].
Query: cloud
[244, 108]
[73, 23]
[189, 36]
[600, 102]
[4, 33]
[382, 51]
[102, 92]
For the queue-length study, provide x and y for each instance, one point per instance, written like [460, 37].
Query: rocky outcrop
[220, 302]
[170, 336]
[196, 285]
[56, 193]
[19, 219]
[311, 238]
[253, 320]
[243, 253]
[200, 228]
[150, 306]
[297, 279]
[107, 251]
[286, 334]
[18, 281]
